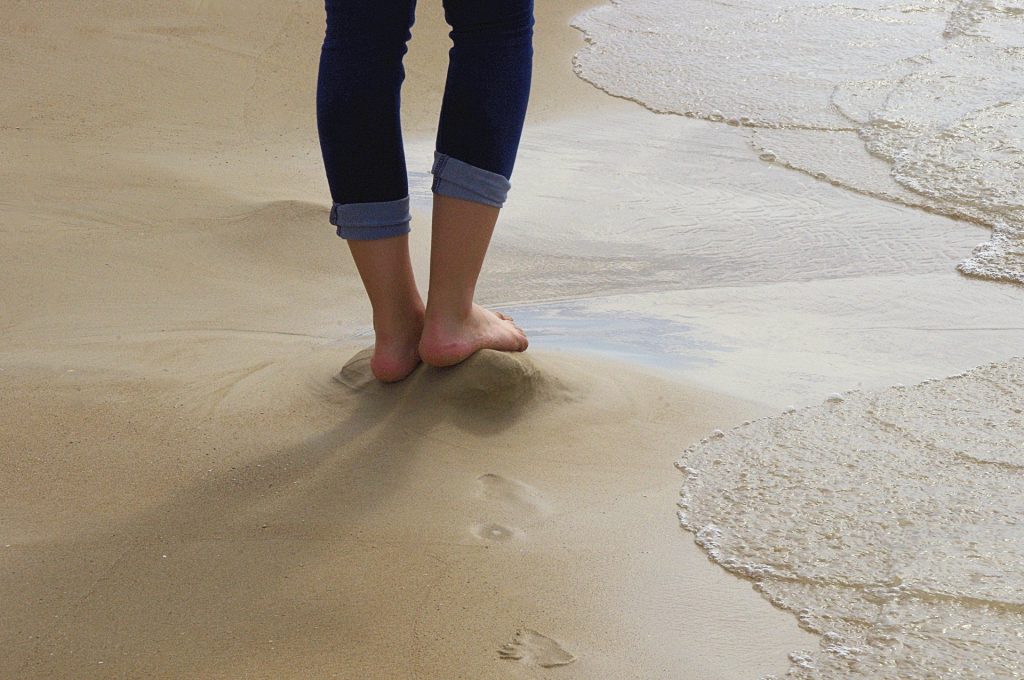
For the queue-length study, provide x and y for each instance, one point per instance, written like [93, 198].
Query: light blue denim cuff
[458, 179]
[366, 221]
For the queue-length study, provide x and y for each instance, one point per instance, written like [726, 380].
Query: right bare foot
[446, 342]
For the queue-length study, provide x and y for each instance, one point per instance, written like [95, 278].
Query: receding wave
[933, 90]
[888, 522]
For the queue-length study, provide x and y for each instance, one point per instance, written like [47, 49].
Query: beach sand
[200, 479]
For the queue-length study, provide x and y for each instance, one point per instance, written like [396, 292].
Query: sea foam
[889, 523]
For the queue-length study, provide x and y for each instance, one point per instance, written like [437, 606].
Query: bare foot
[446, 342]
[395, 353]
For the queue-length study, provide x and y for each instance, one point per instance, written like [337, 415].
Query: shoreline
[191, 491]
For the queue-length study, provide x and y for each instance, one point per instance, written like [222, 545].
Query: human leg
[481, 122]
[386, 271]
[358, 107]
[455, 327]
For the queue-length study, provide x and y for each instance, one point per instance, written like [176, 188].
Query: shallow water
[888, 522]
[934, 89]
[666, 344]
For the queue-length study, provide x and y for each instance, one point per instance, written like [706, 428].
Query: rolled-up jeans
[358, 107]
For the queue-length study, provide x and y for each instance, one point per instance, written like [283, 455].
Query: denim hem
[459, 179]
[366, 221]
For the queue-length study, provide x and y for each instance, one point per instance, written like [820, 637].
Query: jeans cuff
[459, 179]
[366, 221]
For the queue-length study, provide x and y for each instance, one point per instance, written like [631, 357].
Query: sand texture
[199, 477]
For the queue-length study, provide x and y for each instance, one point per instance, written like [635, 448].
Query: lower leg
[358, 119]
[387, 275]
[455, 327]
[482, 114]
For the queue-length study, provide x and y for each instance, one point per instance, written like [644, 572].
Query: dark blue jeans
[358, 93]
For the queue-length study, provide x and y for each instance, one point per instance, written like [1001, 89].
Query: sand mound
[486, 386]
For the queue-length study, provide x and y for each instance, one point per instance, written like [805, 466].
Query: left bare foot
[396, 351]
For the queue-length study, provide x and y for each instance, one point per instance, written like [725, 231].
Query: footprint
[511, 493]
[356, 373]
[493, 532]
[532, 648]
[510, 502]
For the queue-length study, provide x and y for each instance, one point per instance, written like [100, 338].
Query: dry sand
[198, 479]
[192, 489]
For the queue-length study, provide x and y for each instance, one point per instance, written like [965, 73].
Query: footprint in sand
[532, 648]
[511, 493]
[493, 532]
[356, 374]
[512, 501]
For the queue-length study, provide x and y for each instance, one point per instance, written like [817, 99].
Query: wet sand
[199, 478]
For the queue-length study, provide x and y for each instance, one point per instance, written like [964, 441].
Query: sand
[199, 479]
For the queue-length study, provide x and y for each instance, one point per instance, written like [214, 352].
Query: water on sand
[932, 88]
[888, 522]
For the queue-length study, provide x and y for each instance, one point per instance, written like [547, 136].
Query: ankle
[399, 324]
[450, 314]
